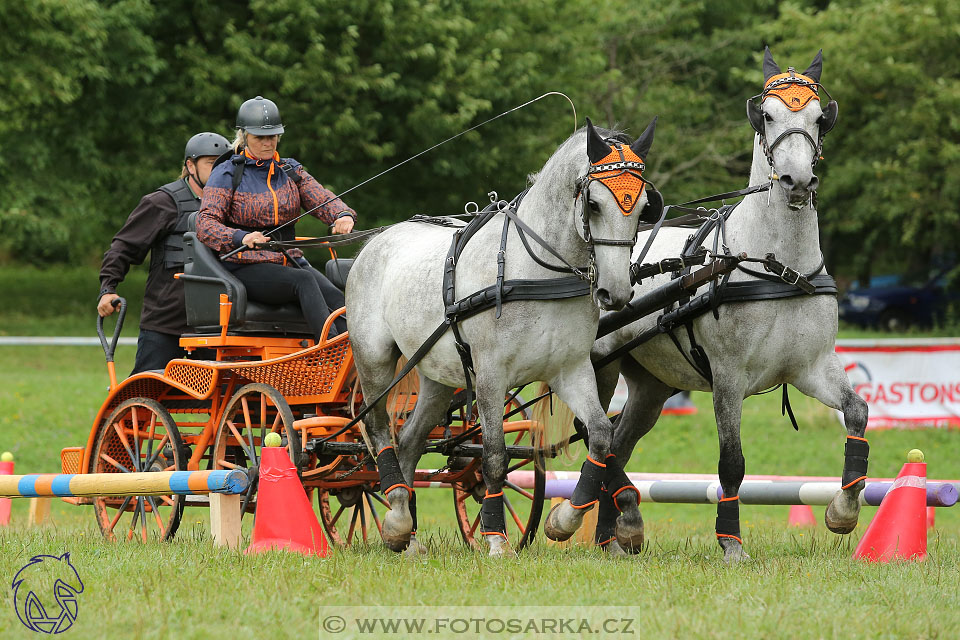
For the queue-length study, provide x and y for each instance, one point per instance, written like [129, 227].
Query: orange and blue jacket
[265, 198]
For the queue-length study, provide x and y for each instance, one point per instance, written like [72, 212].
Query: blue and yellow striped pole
[89, 485]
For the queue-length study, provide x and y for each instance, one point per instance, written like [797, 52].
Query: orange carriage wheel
[523, 505]
[140, 435]
[254, 411]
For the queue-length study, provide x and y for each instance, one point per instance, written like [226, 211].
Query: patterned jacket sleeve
[217, 198]
[312, 194]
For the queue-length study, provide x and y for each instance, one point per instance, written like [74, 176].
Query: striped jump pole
[760, 492]
[91, 485]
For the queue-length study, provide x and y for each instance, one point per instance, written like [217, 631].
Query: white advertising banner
[906, 383]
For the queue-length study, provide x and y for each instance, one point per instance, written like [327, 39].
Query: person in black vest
[156, 227]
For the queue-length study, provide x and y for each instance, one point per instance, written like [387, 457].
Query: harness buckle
[790, 273]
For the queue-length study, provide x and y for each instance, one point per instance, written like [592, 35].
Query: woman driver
[271, 191]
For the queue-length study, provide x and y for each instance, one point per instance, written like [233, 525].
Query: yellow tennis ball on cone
[272, 440]
[915, 455]
[6, 456]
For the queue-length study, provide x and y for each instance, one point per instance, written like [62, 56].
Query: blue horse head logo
[32, 587]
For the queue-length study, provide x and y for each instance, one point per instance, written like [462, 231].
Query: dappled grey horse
[748, 346]
[399, 296]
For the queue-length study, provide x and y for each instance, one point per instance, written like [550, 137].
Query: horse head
[790, 104]
[614, 198]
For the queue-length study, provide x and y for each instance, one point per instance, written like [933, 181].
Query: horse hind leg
[829, 384]
[490, 393]
[375, 369]
[433, 403]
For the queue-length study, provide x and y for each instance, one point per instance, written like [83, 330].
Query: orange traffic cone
[285, 519]
[931, 517]
[801, 515]
[899, 530]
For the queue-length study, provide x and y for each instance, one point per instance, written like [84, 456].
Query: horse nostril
[813, 184]
[786, 180]
[603, 297]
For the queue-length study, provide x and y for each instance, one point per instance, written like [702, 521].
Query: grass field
[799, 584]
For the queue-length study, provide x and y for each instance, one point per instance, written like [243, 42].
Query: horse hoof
[734, 555]
[839, 523]
[397, 530]
[614, 549]
[552, 528]
[415, 549]
[630, 535]
[500, 547]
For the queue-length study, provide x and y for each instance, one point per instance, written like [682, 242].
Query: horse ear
[755, 116]
[641, 146]
[816, 67]
[597, 149]
[770, 67]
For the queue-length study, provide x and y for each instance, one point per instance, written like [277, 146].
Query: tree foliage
[100, 97]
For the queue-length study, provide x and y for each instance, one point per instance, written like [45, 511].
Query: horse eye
[767, 117]
[594, 206]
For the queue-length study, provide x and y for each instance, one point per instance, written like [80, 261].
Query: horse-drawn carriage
[268, 376]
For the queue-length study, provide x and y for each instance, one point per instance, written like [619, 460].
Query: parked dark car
[894, 302]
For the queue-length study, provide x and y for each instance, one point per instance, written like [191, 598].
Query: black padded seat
[205, 278]
[337, 271]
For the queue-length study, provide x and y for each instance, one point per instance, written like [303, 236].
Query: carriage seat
[337, 271]
[205, 278]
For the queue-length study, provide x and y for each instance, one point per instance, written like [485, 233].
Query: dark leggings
[272, 283]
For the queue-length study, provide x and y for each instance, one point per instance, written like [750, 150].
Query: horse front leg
[493, 526]
[829, 384]
[578, 388]
[728, 406]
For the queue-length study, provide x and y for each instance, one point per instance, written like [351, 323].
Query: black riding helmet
[205, 144]
[259, 116]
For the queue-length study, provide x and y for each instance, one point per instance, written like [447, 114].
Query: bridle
[620, 172]
[791, 83]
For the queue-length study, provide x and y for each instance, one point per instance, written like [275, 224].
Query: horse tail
[402, 398]
[555, 420]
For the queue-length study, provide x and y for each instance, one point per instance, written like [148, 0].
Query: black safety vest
[169, 248]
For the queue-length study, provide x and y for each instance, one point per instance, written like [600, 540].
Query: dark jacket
[164, 309]
[265, 198]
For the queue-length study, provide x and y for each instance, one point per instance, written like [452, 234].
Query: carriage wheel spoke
[114, 462]
[230, 465]
[353, 523]
[373, 511]
[337, 517]
[135, 420]
[123, 507]
[167, 500]
[526, 494]
[363, 520]
[156, 454]
[243, 443]
[151, 434]
[133, 520]
[379, 498]
[123, 440]
[513, 512]
[473, 527]
[522, 463]
[143, 518]
[156, 513]
[246, 500]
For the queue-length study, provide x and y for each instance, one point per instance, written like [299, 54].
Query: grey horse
[395, 297]
[750, 346]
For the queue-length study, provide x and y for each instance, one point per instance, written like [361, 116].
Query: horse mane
[608, 134]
